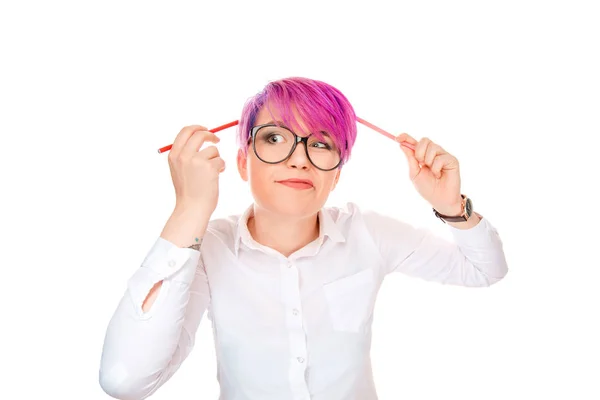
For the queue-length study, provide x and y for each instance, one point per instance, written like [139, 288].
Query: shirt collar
[327, 228]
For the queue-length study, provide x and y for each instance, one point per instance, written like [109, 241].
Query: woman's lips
[296, 184]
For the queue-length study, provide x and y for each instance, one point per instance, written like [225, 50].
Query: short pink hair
[319, 105]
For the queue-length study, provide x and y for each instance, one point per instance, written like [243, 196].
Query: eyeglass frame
[298, 139]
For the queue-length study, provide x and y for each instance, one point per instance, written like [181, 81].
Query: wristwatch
[467, 210]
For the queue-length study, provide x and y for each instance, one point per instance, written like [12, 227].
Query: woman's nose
[298, 157]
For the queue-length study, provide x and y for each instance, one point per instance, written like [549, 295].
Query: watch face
[469, 207]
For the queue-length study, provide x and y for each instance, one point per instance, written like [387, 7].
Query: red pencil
[362, 121]
[217, 129]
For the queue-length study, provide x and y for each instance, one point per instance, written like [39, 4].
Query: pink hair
[319, 105]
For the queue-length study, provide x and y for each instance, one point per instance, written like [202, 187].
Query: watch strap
[460, 218]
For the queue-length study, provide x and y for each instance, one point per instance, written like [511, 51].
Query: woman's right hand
[195, 173]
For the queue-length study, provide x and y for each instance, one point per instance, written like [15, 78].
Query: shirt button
[172, 263]
[289, 264]
[300, 359]
[296, 312]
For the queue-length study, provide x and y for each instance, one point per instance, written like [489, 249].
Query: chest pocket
[349, 300]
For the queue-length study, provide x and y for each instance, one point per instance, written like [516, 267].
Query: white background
[90, 91]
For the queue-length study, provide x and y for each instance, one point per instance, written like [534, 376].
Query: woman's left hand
[435, 174]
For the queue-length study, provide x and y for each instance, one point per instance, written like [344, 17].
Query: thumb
[413, 164]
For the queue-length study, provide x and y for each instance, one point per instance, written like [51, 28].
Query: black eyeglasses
[274, 144]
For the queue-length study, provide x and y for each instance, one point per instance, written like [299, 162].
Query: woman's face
[278, 198]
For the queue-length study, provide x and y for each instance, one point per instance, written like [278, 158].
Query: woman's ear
[242, 164]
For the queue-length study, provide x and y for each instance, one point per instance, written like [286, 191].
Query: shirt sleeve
[143, 350]
[474, 258]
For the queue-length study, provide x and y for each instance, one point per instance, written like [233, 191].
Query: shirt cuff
[481, 235]
[167, 260]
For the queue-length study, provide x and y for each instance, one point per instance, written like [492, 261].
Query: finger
[443, 162]
[432, 151]
[436, 167]
[183, 136]
[421, 149]
[413, 164]
[209, 153]
[218, 164]
[197, 140]
[405, 137]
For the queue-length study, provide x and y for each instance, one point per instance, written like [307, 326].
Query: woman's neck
[285, 235]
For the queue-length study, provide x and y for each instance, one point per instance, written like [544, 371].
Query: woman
[289, 285]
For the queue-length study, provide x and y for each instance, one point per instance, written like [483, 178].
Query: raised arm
[474, 258]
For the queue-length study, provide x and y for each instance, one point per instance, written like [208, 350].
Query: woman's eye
[322, 145]
[274, 138]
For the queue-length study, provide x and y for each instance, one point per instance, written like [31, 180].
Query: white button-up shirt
[296, 327]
